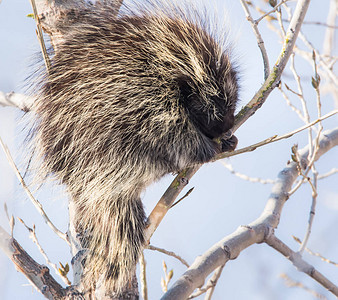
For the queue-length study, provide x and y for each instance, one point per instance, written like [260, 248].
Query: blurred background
[220, 201]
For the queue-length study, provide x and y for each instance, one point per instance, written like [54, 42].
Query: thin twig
[258, 36]
[274, 138]
[280, 22]
[40, 36]
[314, 200]
[316, 253]
[330, 31]
[316, 23]
[170, 253]
[332, 172]
[291, 283]
[293, 92]
[11, 219]
[143, 277]
[301, 264]
[32, 235]
[271, 11]
[246, 177]
[288, 102]
[210, 285]
[213, 281]
[301, 98]
[35, 202]
[315, 84]
[38, 275]
[185, 196]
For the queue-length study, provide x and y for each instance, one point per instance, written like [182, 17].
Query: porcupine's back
[126, 101]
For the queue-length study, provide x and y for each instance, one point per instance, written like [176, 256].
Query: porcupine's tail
[114, 238]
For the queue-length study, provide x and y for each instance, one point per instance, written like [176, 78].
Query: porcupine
[128, 99]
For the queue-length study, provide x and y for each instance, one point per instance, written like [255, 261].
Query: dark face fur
[212, 115]
[212, 121]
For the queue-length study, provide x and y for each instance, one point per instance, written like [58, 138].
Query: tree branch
[37, 274]
[16, 100]
[274, 138]
[40, 36]
[35, 202]
[32, 235]
[170, 253]
[300, 264]
[258, 36]
[258, 231]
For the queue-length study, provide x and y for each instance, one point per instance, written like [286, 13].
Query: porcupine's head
[210, 93]
[195, 61]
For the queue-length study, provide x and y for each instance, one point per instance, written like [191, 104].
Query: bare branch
[316, 253]
[35, 202]
[330, 31]
[40, 36]
[315, 84]
[258, 36]
[246, 177]
[16, 100]
[274, 138]
[143, 277]
[300, 264]
[332, 172]
[291, 283]
[170, 253]
[256, 232]
[37, 274]
[226, 249]
[32, 235]
[210, 286]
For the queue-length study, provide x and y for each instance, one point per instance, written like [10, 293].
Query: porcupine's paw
[229, 142]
